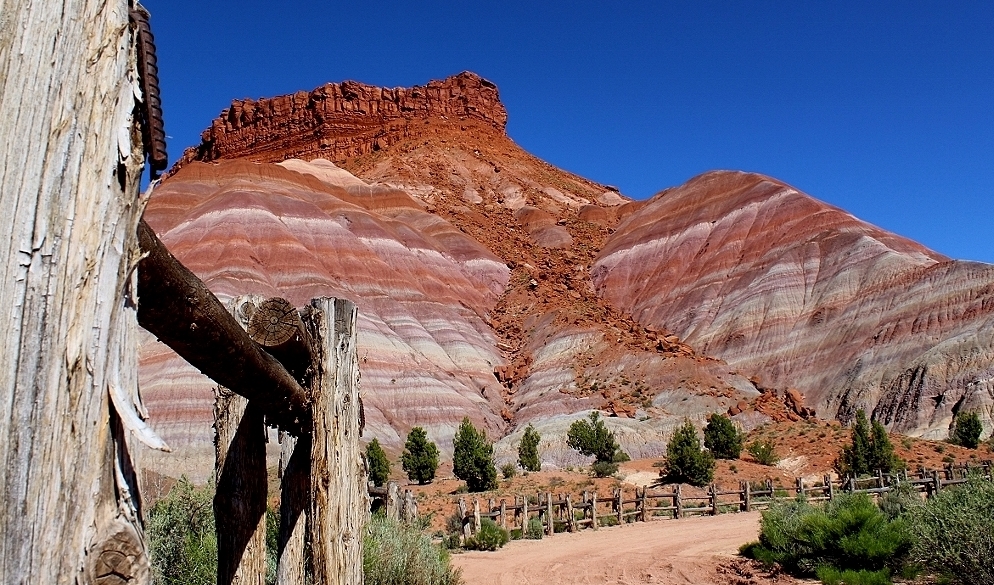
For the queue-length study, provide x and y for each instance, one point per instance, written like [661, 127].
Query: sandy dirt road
[699, 550]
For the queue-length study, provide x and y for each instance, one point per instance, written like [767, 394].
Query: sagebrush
[953, 533]
[395, 553]
[848, 539]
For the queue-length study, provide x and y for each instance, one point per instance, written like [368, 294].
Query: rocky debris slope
[776, 283]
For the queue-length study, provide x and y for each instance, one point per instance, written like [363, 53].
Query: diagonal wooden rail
[183, 313]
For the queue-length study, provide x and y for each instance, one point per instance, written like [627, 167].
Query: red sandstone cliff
[494, 285]
[343, 120]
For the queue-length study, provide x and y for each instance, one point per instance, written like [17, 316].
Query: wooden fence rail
[560, 513]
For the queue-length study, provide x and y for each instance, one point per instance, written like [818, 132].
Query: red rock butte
[343, 120]
[493, 285]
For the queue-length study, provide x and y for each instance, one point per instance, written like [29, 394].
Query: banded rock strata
[750, 270]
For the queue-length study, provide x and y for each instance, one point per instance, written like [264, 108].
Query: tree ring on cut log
[274, 322]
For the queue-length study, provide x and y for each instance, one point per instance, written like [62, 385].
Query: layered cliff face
[752, 271]
[340, 120]
[495, 286]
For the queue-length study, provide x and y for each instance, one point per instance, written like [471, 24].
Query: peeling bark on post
[70, 166]
[339, 496]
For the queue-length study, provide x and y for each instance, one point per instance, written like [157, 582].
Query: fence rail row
[561, 513]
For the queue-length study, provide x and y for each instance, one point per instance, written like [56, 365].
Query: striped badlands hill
[803, 294]
[493, 285]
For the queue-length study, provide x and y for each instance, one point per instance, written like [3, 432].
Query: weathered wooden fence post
[643, 503]
[746, 496]
[714, 499]
[677, 502]
[570, 516]
[70, 166]
[476, 516]
[503, 513]
[618, 506]
[464, 516]
[295, 490]
[524, 516]
[339, 496]
[392, 502]
[830, 491]
[593, 510]
[549, 515]
[409, 507]
[240, 474]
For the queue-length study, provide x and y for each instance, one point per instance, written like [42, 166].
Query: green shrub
[870, 450]
[528, 450]
[849, 534]
[832, 576]
[490, 536]
[592, 438]
[953, 535]
[722, 438]
[611, 520]
[395, 553]
[473, 458]
[182, 541]
[967, 430]
[764, 452]
[420, 457]
[508, 470]
[899, 500]
[686, 462]
[604, 468]
[379, 465]
[535, 529]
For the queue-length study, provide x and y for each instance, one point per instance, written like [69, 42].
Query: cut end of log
[274, 322]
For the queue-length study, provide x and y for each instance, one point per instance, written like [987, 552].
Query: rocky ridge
[340, 120]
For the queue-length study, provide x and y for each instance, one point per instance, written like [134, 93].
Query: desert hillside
[493, 285]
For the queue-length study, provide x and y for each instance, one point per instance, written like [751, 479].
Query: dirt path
[698, 550]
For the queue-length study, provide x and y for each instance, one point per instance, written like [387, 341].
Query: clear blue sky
[885, 109]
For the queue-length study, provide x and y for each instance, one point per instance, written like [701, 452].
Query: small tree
[722, 438]
[593, 438]
[764, 452]
[420, 457]
[882, 455]
[473, 458]
[686, 461]
[379, 465]
[855, 457]
[869, 450]
[967, 430]
[528, 450]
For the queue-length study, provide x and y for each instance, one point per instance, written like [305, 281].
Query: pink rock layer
[750, 270]
[307, 230]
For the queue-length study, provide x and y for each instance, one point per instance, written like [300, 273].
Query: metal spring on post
[153, 127]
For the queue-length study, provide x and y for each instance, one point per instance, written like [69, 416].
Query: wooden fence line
[561, 513]
[396, 505]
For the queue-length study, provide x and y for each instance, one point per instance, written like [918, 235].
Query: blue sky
[885, 109]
